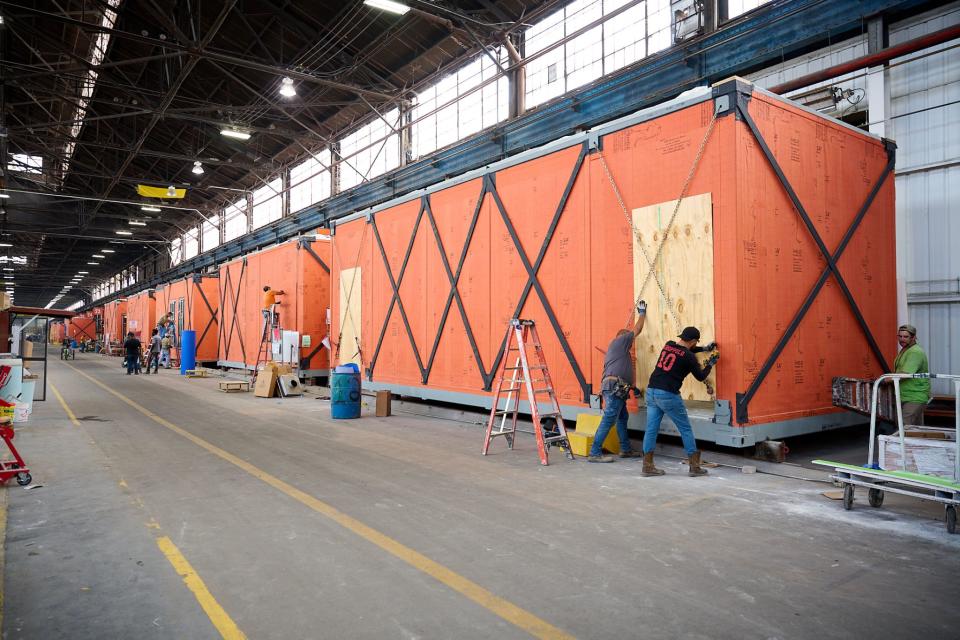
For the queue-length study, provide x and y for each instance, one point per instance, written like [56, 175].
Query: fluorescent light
[123, 233]
[5, 244]
[107, 251]
[197, 167]
[234, 133]
[8, 268]
[135, 223]
[94, 263]
[287, 90]
[151, 209]
[388, 5]
[97, 255]
[4, 195]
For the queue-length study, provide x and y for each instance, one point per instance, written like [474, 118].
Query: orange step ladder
[523, 340]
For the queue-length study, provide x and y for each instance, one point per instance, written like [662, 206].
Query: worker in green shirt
[914, 392]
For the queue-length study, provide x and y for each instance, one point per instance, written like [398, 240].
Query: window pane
[370, 151]
[739, 7]
[310, 181]
[235, 220]
[211, 234]
[176, 252]
[267, 203]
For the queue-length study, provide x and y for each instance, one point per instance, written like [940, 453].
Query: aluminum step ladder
[523, 342]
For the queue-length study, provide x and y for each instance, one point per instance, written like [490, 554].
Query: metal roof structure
[110, 94]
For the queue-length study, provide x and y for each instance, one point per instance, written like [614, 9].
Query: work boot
[694, 463]
[600, 458]
[649, 470]
[631, 454]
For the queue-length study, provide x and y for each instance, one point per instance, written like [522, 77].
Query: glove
[642, 308]
[712, 360]
[710, 347]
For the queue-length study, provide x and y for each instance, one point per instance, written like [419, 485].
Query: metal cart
[878, 481]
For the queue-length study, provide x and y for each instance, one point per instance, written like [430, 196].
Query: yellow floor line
[63, 403]
[218, 616]
[224, 624]
[510, 612]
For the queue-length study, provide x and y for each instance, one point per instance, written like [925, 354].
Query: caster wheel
[24, 478]
[875, 496]
[848, 497]
[951, 518]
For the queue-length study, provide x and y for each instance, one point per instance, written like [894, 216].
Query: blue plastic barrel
[188, 351]
[345, 392]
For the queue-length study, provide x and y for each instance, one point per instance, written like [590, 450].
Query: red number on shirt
[666, 361]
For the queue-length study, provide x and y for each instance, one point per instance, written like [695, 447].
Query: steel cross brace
[236, 303]
[454, 279]
[395, 300]
[743, 399]
[532, 281]
[305, 244]
[197, 280]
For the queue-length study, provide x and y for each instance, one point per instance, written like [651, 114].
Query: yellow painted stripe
[63, 403]
[224, 624]
[510, 612]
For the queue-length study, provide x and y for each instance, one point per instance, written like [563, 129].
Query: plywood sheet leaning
[350, 318]
[685, 268]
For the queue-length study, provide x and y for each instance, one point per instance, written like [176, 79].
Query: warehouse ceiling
[110, 100]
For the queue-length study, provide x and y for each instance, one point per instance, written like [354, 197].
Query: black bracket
[743, 399]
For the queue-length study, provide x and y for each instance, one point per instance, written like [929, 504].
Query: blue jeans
[614, 411]
[133, 363]
[660, 402]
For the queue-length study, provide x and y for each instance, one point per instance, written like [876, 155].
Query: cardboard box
[266, 386]
[383, 404]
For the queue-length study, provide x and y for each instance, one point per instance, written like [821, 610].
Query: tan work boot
[694, 462]
[648, 469]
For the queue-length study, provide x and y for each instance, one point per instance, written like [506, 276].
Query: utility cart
[926, 471]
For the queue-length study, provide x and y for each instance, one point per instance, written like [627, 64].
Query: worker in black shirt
[663, 397]
[132, 348]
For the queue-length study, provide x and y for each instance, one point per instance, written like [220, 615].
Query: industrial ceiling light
[236, 134]
[388, 5]
[82, 273]
[287, 89]
[151, 209]
[197, 167]
[107, 251]
[123, 233]
[136, 223]
[171, 191]
[95, 264]
[5, 244]
[4, 195]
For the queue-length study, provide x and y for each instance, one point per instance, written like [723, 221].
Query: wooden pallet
[197, 373]
[234, 386]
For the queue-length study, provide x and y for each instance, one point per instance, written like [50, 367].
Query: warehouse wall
[923, 116]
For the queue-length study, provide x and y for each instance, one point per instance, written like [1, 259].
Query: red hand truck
[16, 467]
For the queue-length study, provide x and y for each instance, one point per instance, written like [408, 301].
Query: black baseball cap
[690, 333]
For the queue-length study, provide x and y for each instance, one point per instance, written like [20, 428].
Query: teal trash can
[345, 392]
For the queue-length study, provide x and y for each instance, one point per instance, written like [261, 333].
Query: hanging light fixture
[197, 167]
[287, 90]
[236, 134]
[172, 191]
[388, 5]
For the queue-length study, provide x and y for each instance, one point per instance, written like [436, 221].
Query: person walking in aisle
[132, 348]
[165, 344]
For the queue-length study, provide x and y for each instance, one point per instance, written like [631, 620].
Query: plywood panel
[350, 306]
[685, 269]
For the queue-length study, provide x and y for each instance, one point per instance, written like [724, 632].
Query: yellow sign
[160, 192]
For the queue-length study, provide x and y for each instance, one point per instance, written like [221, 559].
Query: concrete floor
[303, 527]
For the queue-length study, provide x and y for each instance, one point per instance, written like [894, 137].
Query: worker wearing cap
[676, 361]
[269, 299]
[618, 379]
[914, 392]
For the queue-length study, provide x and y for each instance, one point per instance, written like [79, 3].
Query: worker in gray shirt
[619, 378]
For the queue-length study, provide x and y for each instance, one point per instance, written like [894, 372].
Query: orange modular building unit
[115, 321]
[142, 314]
[58, 331]
[82, 327]
[781, 249]
[194, 305]
[300, 268]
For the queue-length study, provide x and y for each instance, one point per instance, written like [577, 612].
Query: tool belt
[622, 389]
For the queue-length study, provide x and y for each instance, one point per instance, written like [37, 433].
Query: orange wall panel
[114, 320]
[142, 314]
[765, 261]
[200, 298]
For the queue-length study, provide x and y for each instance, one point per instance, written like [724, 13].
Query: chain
[651, 272]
